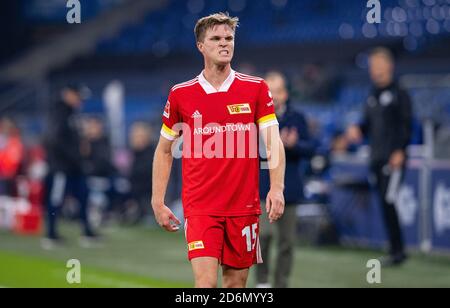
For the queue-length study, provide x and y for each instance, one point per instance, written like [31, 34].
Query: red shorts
[234, 241]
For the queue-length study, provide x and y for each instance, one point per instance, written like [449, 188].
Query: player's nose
[223, 42]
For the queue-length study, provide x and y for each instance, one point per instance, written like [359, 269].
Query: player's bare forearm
[277, 168]
[277, 164]
[162, 165]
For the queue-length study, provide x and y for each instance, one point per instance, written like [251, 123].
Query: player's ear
[200, 46]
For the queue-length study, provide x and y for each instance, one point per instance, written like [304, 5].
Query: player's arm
[277, 164]
[162, 165]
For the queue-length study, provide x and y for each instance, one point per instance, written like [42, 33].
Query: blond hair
[212, 20]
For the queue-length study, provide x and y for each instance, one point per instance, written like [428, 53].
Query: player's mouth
[224, 52]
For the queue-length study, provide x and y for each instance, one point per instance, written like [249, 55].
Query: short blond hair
[212, 20]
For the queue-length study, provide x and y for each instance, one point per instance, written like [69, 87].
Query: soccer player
[219, 116]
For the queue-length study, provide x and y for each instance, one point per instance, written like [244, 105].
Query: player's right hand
[274, 204]
[165, 218]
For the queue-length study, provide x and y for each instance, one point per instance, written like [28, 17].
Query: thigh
[205, 271]
[204, 236]
[234, 277]
[241, 242]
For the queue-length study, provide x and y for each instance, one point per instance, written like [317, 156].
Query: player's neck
[216, 75]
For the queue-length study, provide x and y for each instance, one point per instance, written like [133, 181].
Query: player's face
[218, 45]
[381, 70]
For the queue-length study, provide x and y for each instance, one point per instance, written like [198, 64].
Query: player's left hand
[275, 204]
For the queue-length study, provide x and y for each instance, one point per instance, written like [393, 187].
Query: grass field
[146, 257]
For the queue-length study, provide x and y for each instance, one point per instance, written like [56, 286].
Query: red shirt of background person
[220, 193]
[11, 149]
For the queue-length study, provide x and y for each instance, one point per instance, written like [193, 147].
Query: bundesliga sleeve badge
[166, 112]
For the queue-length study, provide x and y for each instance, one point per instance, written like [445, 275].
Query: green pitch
[147, 257]
[23, 271]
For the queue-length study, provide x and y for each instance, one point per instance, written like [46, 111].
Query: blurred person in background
[387, 124]
[96, 149]
[298, 146]
[98, 167]
[11, 155]
[36, 169]
[63, 146]
[220, 194]
[141, 143]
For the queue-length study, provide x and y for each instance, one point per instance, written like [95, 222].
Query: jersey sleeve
[170, 117]
[265, 112]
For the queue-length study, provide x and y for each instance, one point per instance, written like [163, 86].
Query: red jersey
[219, 131]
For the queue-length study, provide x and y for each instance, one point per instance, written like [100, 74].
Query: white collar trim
[210, 89]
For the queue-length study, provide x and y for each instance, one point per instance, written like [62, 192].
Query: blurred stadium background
[130, 52]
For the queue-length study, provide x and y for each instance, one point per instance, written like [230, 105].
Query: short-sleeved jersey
[219, 131]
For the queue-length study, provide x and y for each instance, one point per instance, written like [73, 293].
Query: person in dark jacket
[141, 171]
[298, 146]
[65, 162]
[98, 168]
[387, 124]
[96, 149]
